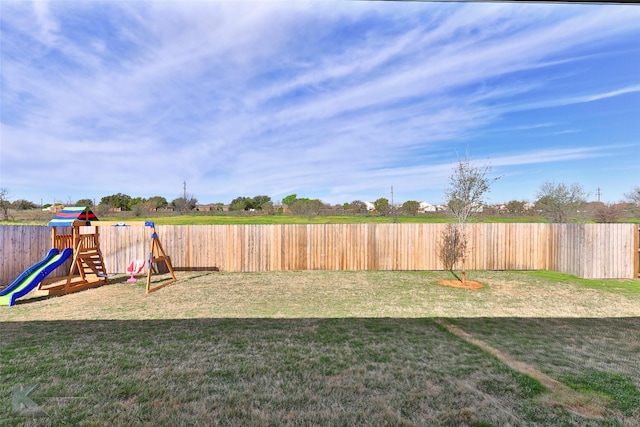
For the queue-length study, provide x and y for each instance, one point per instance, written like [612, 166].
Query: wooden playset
[87, 266]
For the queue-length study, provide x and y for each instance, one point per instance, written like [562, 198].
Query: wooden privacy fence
[585, 250]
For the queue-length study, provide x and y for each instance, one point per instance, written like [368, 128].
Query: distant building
[370, 206]
[54, 208]
[500, 207]
[285, 208]
[426, 207]
[211, 207]
[477, 208]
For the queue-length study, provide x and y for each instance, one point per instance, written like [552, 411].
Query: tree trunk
[464, 273]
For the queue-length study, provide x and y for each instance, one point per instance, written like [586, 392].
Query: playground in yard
[368, 347]
[87, 267]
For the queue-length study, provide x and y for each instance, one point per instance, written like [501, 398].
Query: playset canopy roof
[72, 215]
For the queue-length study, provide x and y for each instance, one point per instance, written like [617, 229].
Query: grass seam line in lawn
[559, 393]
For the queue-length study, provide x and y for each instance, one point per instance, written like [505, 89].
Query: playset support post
[157, 255]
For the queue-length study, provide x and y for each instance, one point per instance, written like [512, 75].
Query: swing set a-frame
[157, 255]
[87, 266]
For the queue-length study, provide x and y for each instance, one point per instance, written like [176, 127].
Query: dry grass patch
[326, 348]
[467, 284]
[325, 294]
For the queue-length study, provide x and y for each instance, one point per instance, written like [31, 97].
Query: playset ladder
[88, 262]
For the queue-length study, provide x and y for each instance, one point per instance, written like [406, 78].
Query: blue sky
[331, 100]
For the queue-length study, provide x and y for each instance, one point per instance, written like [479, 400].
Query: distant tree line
[558, 202]
[125, 202]
[251, 203]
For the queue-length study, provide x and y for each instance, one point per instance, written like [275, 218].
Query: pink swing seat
[134, 268]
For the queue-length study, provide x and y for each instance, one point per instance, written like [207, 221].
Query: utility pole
[393, 208]
[184, 196]
[392, 196]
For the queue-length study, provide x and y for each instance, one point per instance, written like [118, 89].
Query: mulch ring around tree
[468, 284]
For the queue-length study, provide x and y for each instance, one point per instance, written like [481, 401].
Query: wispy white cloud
[551, 156]
[580, 99]
[46, 26]
[327, 99]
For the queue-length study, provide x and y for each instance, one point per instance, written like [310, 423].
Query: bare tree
[516, 207]
[604, 213]
[4, 204]
[358, 206]
[307, 207]
[468, 184]
[634, 195]
[183, 205]
[452, 246]
[560, 202]
[23, 205]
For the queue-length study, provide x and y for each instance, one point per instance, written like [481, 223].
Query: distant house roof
[70, 215]
[54, 208]
[426, 207]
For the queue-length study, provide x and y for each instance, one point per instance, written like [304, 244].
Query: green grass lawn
[196, 218]
[327, 348]
[40, 218]
[290, 219]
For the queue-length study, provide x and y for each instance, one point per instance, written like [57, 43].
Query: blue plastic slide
[52, 252]
[33, 275]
